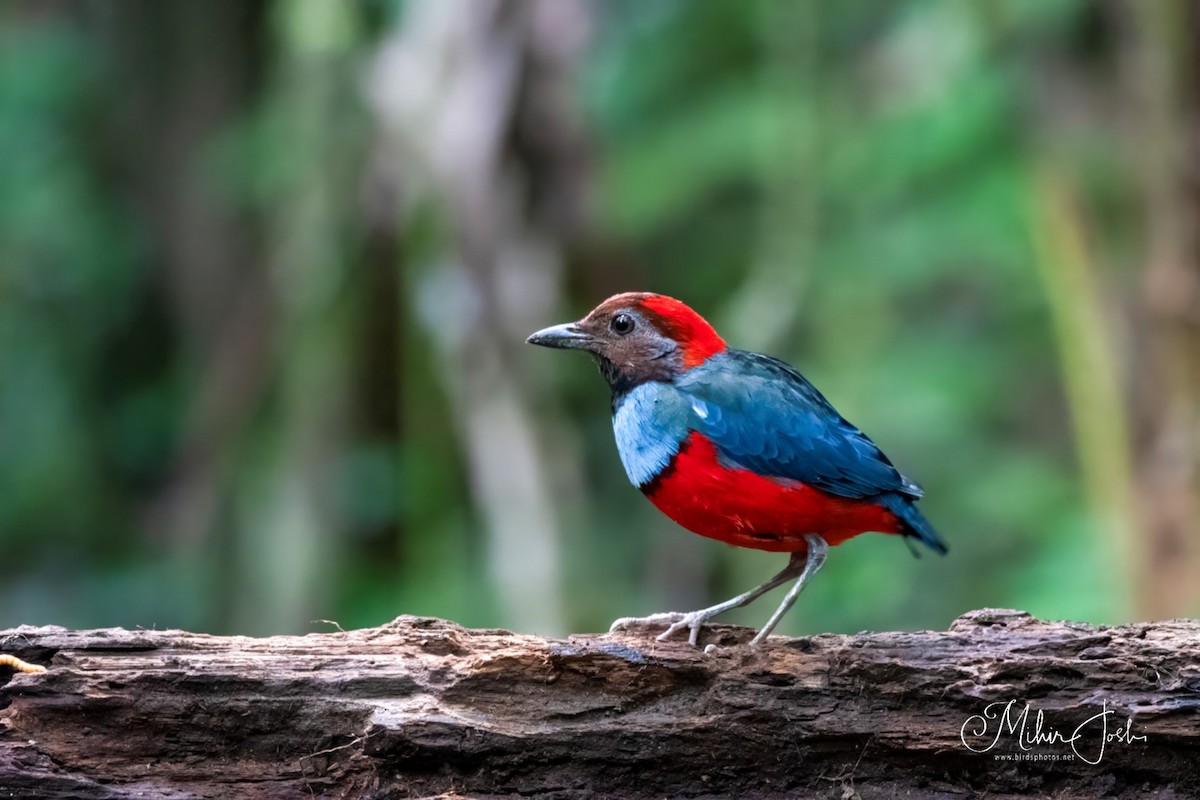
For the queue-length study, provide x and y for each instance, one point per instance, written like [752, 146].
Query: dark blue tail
[917, 526]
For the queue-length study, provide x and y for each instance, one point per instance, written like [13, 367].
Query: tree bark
[422, 707]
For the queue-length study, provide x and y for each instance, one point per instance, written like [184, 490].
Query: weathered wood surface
[422, 707]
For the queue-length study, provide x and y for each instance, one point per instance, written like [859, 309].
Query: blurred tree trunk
[1162, 94]
[1081, 313]
[187, 69]
[258, 301]
[762, 313]
[291, 521]
[1147, 492]
[474, 102]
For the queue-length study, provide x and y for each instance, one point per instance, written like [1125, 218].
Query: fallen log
[422, 707]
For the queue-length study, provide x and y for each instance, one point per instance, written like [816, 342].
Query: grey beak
[561, 336]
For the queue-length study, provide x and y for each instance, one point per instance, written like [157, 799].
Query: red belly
[741, 508]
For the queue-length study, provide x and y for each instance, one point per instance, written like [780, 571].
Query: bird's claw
[675, 621]
[625, 623]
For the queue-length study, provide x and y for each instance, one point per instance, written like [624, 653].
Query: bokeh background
[266, 270]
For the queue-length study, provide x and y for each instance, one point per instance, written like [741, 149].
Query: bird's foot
[674, 620]
[625, 623]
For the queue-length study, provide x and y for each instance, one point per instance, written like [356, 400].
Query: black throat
[624, 378]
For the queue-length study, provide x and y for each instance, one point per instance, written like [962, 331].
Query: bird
[736, 446]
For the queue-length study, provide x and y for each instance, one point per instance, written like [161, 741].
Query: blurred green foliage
[847, 185]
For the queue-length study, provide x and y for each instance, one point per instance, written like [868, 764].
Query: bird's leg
[817, 550]
[678, 620]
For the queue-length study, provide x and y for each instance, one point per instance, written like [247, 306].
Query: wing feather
[765, 416]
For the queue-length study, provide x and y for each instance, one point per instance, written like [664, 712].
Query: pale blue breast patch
[649, 424]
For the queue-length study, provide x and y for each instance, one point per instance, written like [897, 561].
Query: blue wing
[764, 416]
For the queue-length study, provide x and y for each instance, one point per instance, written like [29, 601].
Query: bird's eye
[622, 324]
